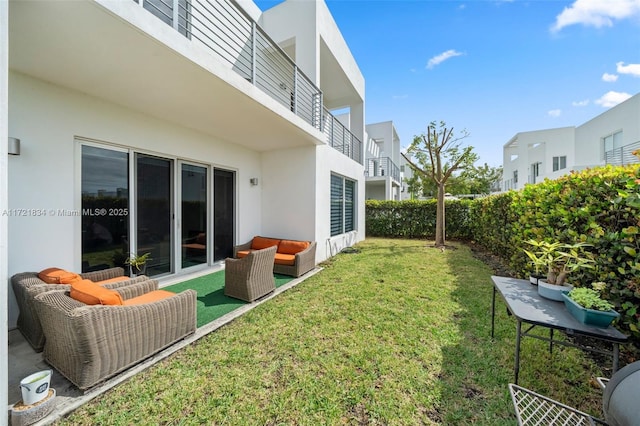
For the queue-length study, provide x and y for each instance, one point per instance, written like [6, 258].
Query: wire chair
[535, 409]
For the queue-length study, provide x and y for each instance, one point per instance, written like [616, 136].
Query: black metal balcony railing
[623, 155]
[225, 29]
[382, 166]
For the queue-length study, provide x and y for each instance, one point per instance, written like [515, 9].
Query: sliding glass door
[105, 207]
[181, 213]
[154, 212]
[224, 213]
[193, 224]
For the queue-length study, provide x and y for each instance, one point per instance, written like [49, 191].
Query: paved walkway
[23, 360]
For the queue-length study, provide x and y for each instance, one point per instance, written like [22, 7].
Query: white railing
[623, 155]
[225, 29]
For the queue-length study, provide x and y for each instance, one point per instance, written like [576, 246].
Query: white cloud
[611, 99]
[596, 13]
[554, 113]
[609, 78]
[633, 69]
[438, 59]
[580, 103]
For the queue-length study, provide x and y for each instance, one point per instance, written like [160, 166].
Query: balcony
[218, 75]
[623, 155]
[382, 167]
[228, 32]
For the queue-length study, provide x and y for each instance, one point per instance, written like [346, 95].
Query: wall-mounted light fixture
[253, 181]
[14, 146]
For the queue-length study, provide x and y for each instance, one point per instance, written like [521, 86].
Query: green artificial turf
[212, 303]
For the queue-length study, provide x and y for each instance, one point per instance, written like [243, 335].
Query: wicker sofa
[293, 257]
[27, 285]
[90, 343]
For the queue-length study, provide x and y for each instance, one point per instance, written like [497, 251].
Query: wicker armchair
[27, 285]
[90, 343]
[251, 277]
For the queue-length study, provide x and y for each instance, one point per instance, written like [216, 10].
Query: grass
[397, 333]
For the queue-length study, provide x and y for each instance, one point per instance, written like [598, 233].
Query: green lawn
[397, 333]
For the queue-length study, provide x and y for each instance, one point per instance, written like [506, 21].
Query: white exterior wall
[47, 174]
[289, 200]
[538, 146]
[382, 142]
[624, 117]
[4, 205]
[297, 195]
[583, 145]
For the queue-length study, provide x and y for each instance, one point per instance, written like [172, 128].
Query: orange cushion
[242, 253]
[58, 276]
[285, 259]
[152, 296]
[292, 247]
[113, 280]
[259, 243]
[90, 293]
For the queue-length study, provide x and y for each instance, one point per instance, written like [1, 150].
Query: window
[612, 141]
[342, 205]
[515, 176]
[559, 163]
[176, 13]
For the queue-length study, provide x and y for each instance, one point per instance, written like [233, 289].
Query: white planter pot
[552, 291]
[35, 387]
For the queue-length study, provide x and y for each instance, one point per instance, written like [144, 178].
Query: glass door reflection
[195, 240]
[154, 212]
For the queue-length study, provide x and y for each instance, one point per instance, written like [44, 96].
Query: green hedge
[416, 219]
[599, 206]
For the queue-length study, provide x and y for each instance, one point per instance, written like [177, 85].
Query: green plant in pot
[138, 263]
[588, 306]
[559, 260]
[540, 256]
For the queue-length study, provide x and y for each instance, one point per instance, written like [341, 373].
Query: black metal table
[524, 303]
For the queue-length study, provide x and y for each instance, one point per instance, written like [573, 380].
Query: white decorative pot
[35, 387]
[552, 291]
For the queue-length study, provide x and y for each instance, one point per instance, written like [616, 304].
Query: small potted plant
[559, 260]
[539, 258]
[138, 263]
[588, 306]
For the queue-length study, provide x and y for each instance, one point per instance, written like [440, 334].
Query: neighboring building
[382, 156]
[609, 138]
[406, 173]
[145, 124]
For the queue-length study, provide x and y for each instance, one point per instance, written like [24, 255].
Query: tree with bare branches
[436, 155]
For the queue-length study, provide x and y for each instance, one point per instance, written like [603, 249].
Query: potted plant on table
[539, 258]
[588, 306]
[559, 260]
[138, 263]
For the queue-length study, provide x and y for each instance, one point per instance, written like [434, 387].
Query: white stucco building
[142, 124]
[382, 156]
[609, 138]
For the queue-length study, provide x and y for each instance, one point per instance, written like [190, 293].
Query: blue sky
[494, 68]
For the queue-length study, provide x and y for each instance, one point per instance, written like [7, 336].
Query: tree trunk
[440, 218]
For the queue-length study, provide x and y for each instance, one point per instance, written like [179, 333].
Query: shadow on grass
[477, 369]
